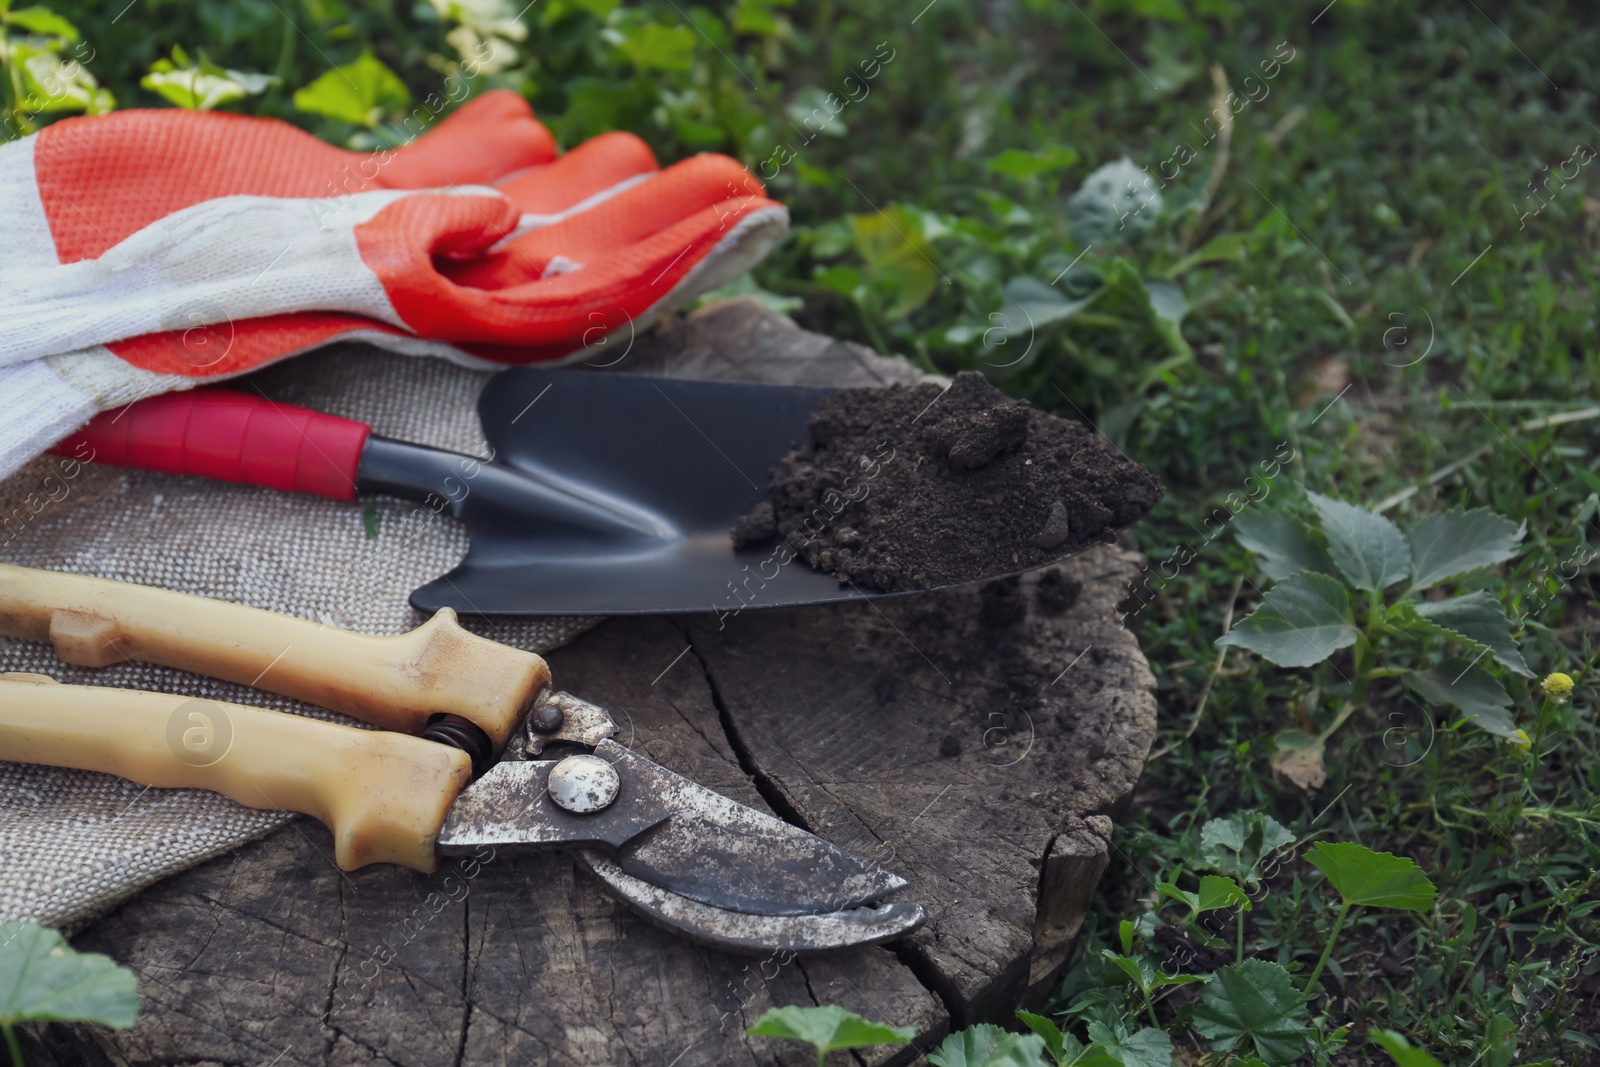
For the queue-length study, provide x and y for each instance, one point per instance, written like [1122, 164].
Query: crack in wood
[780, 804]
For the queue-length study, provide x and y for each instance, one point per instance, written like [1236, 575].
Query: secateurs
[451, 705]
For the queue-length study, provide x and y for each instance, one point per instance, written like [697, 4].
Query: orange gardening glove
[154, 250]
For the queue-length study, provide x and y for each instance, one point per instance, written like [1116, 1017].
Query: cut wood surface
[977, 742]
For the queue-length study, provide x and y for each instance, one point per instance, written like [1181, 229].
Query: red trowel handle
[232, 437]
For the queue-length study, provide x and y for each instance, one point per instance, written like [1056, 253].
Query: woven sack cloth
[72, 843]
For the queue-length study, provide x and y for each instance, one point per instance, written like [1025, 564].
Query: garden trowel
[603, 494]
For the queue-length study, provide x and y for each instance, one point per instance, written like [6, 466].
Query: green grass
[1376, 193]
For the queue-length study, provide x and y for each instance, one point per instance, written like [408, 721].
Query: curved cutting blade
[742, 932]
[721, 853]
[674, 834]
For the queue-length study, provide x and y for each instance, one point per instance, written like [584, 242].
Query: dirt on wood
[911, 487]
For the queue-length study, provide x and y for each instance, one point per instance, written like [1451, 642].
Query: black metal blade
[674, 834]
[613, 494]
[742, 932]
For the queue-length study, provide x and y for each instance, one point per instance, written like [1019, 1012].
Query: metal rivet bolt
[584, 784]
[548, 719]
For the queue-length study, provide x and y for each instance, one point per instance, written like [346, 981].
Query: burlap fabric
[73, 844]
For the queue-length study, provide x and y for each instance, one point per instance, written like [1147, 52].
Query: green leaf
[897, 258]
[1031, 304]
[1170, 10]
[1118, 202]
[1476, 619]
[1009, 213]
[1077, 1054]
[745, 285]
[1055, 1042]
[757, 16]
[1286, 545]
[653, 46]
[1171, 65]
[829, 240]
[1237, 844]
[1171, 892]
[812, 114]
[1128, 295]
[1139, 971]
[51, 83]
[828, 1028]
[1302, 620]
[1064, 1049]
[819, 177]
[44, 979]
[1218, 892]
[1147, 1048]
[1400, 1050]
[1219, 249]
[1020, 164]
[1444, 546]
[38, 19]
[1256, 1000]
[201, 86]
[753, 18]
[1214, 893]
[1163, 979]
[358, 93]
[1167, 299]
[1500, 1040]
[1369, 549]
[986, 1045]
[1480, 697]
[598, 8]
[846, 281]
[1373, 879]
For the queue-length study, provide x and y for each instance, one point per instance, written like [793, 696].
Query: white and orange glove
[148, 251]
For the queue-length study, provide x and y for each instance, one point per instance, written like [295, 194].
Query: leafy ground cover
[1312, 264]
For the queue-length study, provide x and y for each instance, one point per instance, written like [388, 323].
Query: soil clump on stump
[914, 486]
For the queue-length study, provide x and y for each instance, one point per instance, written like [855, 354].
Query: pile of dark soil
[908, 487]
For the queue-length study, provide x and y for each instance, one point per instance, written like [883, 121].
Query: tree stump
[976, 741]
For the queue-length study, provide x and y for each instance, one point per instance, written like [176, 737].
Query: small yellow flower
[1521, 739]
[1557, 687]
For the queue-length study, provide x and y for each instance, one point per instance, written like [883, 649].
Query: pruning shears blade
[668, 832]
[723, 854]
[738, 931]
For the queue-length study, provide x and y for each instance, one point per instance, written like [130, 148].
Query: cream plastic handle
[384, 795]
[397, 683]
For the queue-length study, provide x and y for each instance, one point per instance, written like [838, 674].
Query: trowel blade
[676, 462]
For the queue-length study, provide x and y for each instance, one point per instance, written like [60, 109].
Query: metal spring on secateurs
[466, 735]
